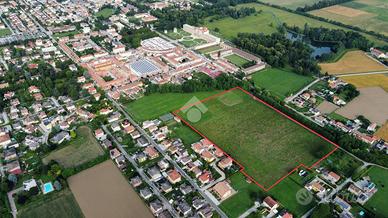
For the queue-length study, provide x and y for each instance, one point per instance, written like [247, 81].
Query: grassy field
[59, 205]
[105, 13]
[382, 132]
[366, 14]
[294, 4]
[378, 203]
[190, 42]
[257, 136]
[280, 82]
[209, 49]
[5, 32]
[352, 62]
[237, 60]
[179, 34]
[155, 105]
[267, 21]
[368, 81]
[187, 135]
[82, 149]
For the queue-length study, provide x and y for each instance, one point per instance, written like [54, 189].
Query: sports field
[368, 81]
[265, 143]
[352, 62]
[237, 60]
[280, 82]
[155, 105]
[82, 149]
[267, 21]
[366, 14]
[59, 205]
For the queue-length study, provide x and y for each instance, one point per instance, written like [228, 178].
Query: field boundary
[242, 168]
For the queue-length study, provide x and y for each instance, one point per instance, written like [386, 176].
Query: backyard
[378, 204]
[257, 140]
[80, 150]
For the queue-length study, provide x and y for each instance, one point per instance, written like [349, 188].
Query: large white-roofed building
[144, 68]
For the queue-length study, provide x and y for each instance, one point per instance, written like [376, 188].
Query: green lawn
[294, 4]
[105, 13]
[5, 32]
[179, 34]
[378, 203]
[192, 42]
[267, 21]
[187, 135]
[280, 82]
[209, 49]
[155, 105]
[80, 150]
[266, 143]
[237, 60]
[58, 205]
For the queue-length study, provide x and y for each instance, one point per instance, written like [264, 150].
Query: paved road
[363, 74]
[11, 200]
[145, 178]
[250, 210]
[167, 157]
[289, 99]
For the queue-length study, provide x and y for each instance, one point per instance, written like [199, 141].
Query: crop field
[265, 143]
[366, 14]
[361, 105]
[267, 22]
[378, 203]
[279, 82]
[102, 191]
[237, 60]
[294, 4]
[155, 105]
[59, 205]
[382, 132]
[364, 81]
[352, 62]
[82, 149]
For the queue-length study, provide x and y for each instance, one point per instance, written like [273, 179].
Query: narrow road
[11, 200]
[362, 74]
[289, 99]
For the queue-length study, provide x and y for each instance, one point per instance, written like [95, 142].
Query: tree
[322, 211]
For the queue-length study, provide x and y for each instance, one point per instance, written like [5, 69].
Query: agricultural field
[352, 62]
[102, 191]
[294, 4]
[256, 136]
[378, 204]
[105, 13]
[82, 149]
[237, 60]
[280, 82]
[59, 205]
[361, 105]
[267, 22]
[365, 14]
[382, 132]
[364, 81]
[155, 105]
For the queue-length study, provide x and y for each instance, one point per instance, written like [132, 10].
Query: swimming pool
[48, 187]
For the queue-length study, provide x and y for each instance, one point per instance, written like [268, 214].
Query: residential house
[270, 203]
[173, 176]
[223, 190]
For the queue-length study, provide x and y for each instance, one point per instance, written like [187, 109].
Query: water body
[318, 48]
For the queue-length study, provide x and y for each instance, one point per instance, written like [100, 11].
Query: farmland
[102, 191]
[383, 131]
[59, 205]
[259, 139]
[155, 105]
[294, 4]
[280, 82]
[366, 14]
[364, 81]
[266, 22]
[352, 62]
[378, 203]
[82, 149]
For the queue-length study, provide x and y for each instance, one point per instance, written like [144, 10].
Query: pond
[318, 48]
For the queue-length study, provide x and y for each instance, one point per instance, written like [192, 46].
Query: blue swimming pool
[48, 187]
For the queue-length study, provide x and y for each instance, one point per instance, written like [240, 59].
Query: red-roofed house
[270, 203]
[174, 176]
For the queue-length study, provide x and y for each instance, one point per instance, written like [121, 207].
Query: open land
[280, 82]
[361, 105]
[102, 191]
[327, 107]
[155, 105]
[237, 60]
[82, 149]
[382, 132]
[59, 205]
[257, 140]
[353, 62]
[5, 32]
[105, 13]
[364, 81]
[294, 4]
[366, 14]
[267, 22]
[378, 204]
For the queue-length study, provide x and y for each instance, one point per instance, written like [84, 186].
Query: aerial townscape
[193, 108]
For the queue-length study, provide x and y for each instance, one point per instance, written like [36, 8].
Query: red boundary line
[242, 168]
